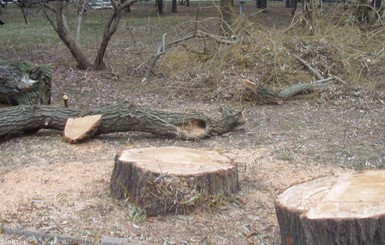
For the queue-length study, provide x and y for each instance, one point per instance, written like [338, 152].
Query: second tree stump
[347, 209]
[172, 179]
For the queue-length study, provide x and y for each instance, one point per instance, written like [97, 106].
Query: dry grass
[338, 48]
[51, 186]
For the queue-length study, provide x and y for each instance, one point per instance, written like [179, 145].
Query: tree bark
[159, 6]
[24, 84]
[62, 29]
[122, 118]
[73, 44]
[109, 30]
[261, 4]
[173, 6]
[172, 179]
[347, 209]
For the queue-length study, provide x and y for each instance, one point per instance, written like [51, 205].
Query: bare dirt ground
[48, 185]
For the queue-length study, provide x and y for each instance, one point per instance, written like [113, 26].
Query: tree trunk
[126, 117]
[347, 209]
[73, 44]
[24, 84]
[294, 5]
[262, 4]
[288, 3]
[172, 179]
[159, 6]
[173, 6]
[109, 30]
[63, 31]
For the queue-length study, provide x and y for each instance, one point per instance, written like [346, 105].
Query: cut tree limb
[122, 118]
[278, 98]
[81, 128]
[347, 209]
[305, 87]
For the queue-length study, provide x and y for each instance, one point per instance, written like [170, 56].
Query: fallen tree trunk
[122, 118]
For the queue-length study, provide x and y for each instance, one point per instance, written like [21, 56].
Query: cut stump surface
[347, 209]
[172, 179]
[81, 128]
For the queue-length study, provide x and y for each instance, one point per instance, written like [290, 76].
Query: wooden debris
[260, 93]
[347, 209]
[81, 128]
[24, 83]
[121, 118]
[309, 67]
[172, 179]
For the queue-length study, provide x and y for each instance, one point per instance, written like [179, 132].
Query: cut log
[260, 94]
[121, 118]
[81, 128]
[24, 84]
[172, 179]
[347, 209]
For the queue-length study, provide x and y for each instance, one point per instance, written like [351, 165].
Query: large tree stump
[171, 179]
[348, 209]
[24, 83]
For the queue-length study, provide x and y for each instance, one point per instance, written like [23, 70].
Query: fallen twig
[42, 235]
[309, 67]
[220, 39]
[340, 80]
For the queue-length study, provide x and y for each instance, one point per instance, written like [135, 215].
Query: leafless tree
[56, 15]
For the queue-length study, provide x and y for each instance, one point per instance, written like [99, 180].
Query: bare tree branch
[309, 67]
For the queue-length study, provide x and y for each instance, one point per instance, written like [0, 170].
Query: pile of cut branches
[284, 61]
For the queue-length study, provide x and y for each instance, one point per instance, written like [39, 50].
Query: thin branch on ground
[309, 67]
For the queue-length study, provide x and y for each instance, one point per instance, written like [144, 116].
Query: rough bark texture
[63, 31]
[173, 6]
[171, 179]
[24, 84]
[109, 30]
[348, 209]
[122, 118]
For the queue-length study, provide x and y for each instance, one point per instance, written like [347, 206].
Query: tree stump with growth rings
[172, 180]
[347, 209]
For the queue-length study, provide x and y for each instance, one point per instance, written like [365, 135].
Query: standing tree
[59, 22]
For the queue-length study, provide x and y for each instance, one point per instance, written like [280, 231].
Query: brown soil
[52, 186]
